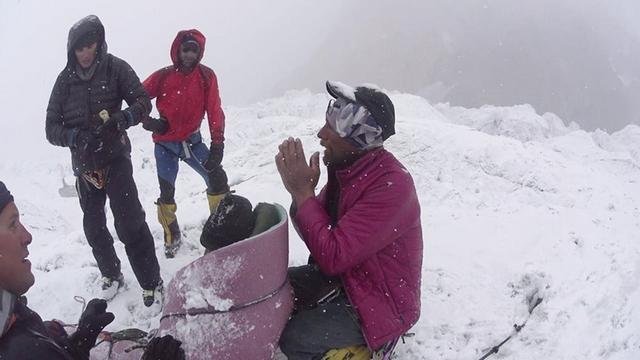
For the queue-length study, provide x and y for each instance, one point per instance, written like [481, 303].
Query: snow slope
[512, 203]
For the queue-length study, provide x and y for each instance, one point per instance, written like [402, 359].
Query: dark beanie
[5, 196]
[188, 38]
[232, 221]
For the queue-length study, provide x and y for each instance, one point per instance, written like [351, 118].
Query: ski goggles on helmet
[354, 122]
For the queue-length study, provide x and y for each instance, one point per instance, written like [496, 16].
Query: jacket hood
[84, 26]
[175, 46]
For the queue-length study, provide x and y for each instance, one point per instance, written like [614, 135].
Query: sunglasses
[336, 107]
[190, 48]
[338, 111]
[329, 107]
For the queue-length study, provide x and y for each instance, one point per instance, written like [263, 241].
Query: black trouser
[309, 334]
[316, 328]
[129, 218]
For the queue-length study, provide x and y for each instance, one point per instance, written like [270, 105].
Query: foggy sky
[578, 59]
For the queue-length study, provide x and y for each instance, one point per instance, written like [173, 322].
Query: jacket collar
[359, 166]
[7, 311]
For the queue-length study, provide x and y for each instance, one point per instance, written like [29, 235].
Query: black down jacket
[74, 104]
[29, 339]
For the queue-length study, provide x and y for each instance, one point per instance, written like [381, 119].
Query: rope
[516, 330]
[212, 310]
[81, 300]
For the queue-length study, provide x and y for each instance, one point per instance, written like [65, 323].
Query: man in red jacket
[184, 91]
[362, 286]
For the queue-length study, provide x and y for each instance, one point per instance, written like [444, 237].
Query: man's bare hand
[299, 178]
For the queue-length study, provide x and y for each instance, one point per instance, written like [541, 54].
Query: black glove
[216, 151]
[88, 141]
[158, 126]
[117, 121]
[92, 321]
[218, 181]
[164, 348]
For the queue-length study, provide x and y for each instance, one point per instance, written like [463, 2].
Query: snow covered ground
[513, 203]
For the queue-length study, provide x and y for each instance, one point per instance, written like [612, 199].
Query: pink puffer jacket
[376, 246]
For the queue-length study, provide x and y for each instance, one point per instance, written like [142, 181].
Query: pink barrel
[234, 302]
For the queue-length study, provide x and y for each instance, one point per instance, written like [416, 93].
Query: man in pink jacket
[362, 284]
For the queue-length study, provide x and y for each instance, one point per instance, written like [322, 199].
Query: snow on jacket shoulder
[183, 97]
[376, 245]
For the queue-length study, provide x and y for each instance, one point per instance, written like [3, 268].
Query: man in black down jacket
[85, 115]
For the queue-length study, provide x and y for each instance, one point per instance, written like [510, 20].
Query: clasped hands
[299, 177]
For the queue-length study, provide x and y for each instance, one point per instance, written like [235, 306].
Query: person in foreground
[361, 288]
[23, 334]
[85, 115]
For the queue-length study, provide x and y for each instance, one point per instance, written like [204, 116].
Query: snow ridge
[513, 203]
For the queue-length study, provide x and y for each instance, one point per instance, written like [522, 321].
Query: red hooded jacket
[182, 98]
[376, 245]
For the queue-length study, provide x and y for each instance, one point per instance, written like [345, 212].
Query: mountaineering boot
[360, 352]
[155, 295]
[110, 286]
[386, 351]
[169, 222]
[214, 200]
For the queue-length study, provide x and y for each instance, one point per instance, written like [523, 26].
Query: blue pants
[168, 154]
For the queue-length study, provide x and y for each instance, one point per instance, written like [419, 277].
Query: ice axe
[104, 116]
[67, 190]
